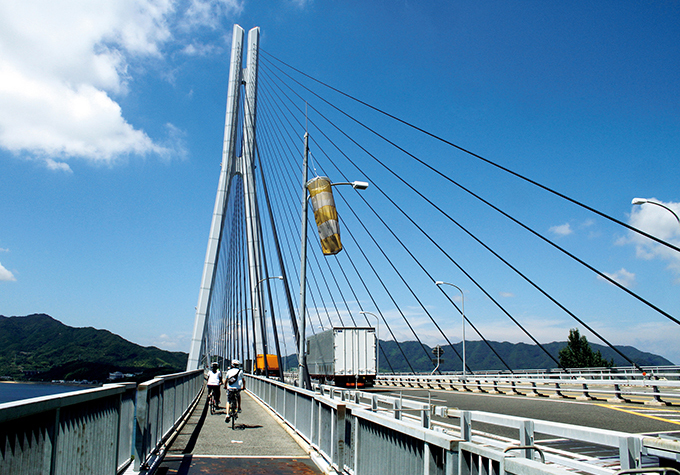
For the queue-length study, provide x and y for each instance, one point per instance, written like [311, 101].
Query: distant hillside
[40, 347]
[517, 355]
[480, 358]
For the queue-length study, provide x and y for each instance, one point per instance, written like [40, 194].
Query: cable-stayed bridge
[434, 213]
[429, 240]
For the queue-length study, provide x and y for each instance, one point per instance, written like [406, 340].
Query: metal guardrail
[92, 431]
[555, 386]
[88, 431]
[616, 372]
[354, 439]
[162, 404]
[384, 434]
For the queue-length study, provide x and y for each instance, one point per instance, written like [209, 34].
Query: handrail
[47, 432]
[616, 389]
[162, 403]
[330, 409]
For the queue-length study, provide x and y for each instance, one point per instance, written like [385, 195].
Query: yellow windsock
[325, 214]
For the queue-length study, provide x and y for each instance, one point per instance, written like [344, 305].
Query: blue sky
[112, 114]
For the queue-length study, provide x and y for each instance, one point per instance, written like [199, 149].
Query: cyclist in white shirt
[214, 382]
[233, 381]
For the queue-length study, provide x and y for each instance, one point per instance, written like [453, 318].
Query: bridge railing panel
[357, 440]
[653, 391]
[367, 433]
[161, 405]
[85, 431]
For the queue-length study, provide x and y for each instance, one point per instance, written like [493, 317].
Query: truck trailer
[343, 356]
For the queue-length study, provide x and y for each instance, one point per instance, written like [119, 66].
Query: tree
[579, 354]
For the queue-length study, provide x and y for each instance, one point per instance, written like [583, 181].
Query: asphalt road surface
[631, 418]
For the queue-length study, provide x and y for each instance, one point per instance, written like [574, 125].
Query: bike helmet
[235, 363]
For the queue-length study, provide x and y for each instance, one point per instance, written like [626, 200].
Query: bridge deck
[258, 445]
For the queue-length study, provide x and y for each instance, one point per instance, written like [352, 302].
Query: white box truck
[343, 356]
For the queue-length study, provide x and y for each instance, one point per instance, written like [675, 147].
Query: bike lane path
[259, 444]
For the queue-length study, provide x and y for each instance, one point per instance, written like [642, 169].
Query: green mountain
[38, 347]
[479, 357]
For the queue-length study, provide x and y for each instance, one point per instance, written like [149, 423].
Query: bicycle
[212, 404]
[233, 410]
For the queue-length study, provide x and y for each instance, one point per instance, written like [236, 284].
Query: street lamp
[462, 299]
[357, 185]
[641, 201]
[280, 277]
[377, 335]
[303, 375]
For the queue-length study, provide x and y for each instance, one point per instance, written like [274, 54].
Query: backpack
[233, 379]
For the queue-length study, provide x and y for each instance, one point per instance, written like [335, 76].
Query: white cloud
[63, 166]
[209, 12]
[176, 342]
[622, 276]
[561, 230]
[660, 223]
[63, 63]
[5, 275]
[506, 295]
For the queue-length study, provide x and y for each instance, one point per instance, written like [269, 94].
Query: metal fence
[353, 438]
[655, 391]
[96, 430]
[81, 432]
[162, 404]
[367, 433]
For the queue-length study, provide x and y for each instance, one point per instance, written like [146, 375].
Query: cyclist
[214, 382]
[233, 381]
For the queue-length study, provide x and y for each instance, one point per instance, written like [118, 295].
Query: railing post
[494, 387]
[425, 417]
[397, 408]
[340, 435]
[630, 452]
[466, 426]
[451, 462]
[534, 391]
[357, 443]
[55, 445]
[656, 398]
[586, 395]
[558, 393]
[141, 427]
[617, 395]
[526, 437]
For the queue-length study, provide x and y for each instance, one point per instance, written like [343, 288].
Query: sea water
[16, 391]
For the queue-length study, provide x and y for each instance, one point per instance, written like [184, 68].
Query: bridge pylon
[202, 348]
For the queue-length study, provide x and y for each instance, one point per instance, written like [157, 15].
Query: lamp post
[303, 373]
[641, 201]
[462, 299]
[377, 336]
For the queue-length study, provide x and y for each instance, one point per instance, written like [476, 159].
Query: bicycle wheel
[233, 420]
